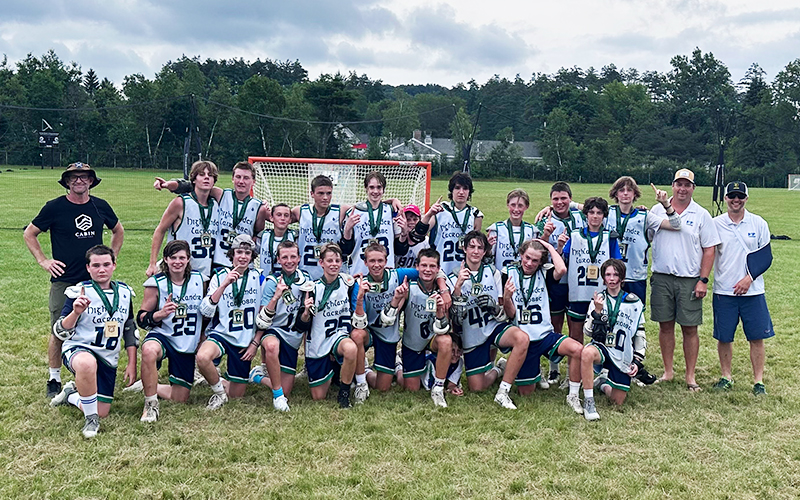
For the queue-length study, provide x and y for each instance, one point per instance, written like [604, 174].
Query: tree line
[590, 125]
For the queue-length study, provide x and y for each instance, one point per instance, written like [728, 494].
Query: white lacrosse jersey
[619, 340]
[581, 288]
[331, 233]
[375, 302]
[634, 241]
[229, 209]
[183, 333]
[410, 257]
[362, 235]
[332, 321]
[418, 330]
[224, 323]
[286, 314]
[509, 238]
[478, 324]
[191, 229]
[268, 250]
[530, 295]
[574, 221]
[89, 329]
[446, 234]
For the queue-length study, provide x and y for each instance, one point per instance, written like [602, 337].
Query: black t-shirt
[74, 229]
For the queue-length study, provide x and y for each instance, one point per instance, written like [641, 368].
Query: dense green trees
[589, 124]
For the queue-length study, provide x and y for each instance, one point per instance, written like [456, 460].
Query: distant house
[430, 147]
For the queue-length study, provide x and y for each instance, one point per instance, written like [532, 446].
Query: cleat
[361, 393]
[500, 366]
[151, 412]
[599, 382]
[256, 372]
[137, 386]
[280, 403]
[503, 400]
[544, 384]
[723, 385]
[53, 388]
[437, 394]
[216, 401]
[589, 410]
[199, 379]
[564, 385]
[759, 389]
[92, 426]
[644, 377]
[574, 402]
[62, 397]
[552, 379]
[344, 399]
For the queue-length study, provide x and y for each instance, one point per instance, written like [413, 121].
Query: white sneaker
[437, 394]
[151, 412]
[280, 403]
[137, 386]
[199, 379]
[589, 410]
[544, 384]
[500, 366]
[503, 400]
[255, 372]
[361, 393]
[564, 384]
[574, 402]
[216, 401]
[62, 398]
[92, 426]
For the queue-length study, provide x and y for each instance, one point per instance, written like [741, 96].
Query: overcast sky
[405, 41]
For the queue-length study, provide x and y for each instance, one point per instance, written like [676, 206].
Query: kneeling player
[616, 326]
[526, 299]
[171, 313]
[277, 336]
[478, 308]
[427, 327]
[89, 328]
[232, 302]
[325, 317]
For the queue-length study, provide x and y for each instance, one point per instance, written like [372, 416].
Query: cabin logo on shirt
[83, 222]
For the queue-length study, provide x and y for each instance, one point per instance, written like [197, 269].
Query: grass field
[664, 443]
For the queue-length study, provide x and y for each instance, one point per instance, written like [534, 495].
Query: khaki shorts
[57, 299]
[672, 299]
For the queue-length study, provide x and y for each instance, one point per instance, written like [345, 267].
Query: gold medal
[460, 242]
[623, 250]
[111, 329]
[524, 317]
[288, 298]
[180, 310]
[238, 317]
[592, 272]
[477, 289]
[231, 236]
[205, 240]
[317, 251]
[430, 304]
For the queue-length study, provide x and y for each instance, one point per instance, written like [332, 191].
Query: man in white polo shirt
[682, 261]
[738, 288]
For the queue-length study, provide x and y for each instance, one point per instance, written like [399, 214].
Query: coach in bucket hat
[78, 168]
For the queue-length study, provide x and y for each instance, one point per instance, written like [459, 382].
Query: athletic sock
[504, 387]
[55, 374]
[258, 378]
[276, 393]
[151, 399]
[74, 399]
[89, 405]
[574, 388]
[588, 393]
[438, 382]
[218, 388]
[361, 379]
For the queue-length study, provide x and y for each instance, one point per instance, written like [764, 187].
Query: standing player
[409, 259]
[75, 222]
[526, 300]
[505, 237]
[616, 326]
[276, 335]
[325, 319]
[448, 223]
[584, 253]
[478, 308]
[232, 301]
[426, 327]
[272, 238]
[739, 286]
[193, 218]
[171, 314]
[94, 313]
[320, 223]
[373, 220]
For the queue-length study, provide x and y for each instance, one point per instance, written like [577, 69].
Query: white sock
[89, 405]
[74, 399]
[438, 384]
[588, 393]
[218, 388]
[574, 388]
[504, 387]
[55, 374]
[361, 379]
[151, 399]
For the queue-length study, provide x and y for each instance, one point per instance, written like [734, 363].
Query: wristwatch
[704, 280]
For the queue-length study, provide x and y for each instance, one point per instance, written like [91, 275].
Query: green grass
[664, 442]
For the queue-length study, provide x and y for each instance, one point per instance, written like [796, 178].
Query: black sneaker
[344, 398]
[53, 388]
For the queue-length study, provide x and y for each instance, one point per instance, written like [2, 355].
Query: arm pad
[388, 315]
[146, 320]
[639, 343]
[264, 318]
[674, 220]
[130, 334]
[360, 321]
[207, 309]
[60, 332]
[184, 186]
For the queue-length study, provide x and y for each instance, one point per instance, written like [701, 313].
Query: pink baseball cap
[413, 209]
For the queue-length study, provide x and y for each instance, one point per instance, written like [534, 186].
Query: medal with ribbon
[463, 224]
[593, 270]
[111, 328]
[205, 221]
[238, 297]
[239, 209]
[613, 312]
[180, 308]
[326, 294]
[375, 226]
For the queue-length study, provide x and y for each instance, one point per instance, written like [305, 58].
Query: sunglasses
[737, 196]
[83, 178]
